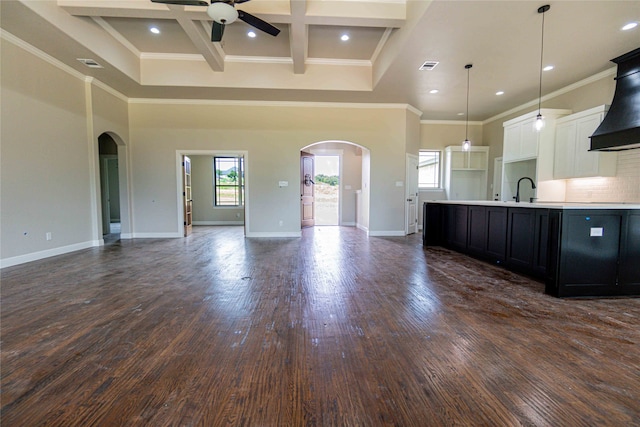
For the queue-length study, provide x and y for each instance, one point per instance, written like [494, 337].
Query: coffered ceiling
[308, 61]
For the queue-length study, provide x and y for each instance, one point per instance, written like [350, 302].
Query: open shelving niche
[465, 176]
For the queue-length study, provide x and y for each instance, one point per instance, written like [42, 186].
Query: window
[429, 169]
[228, 181]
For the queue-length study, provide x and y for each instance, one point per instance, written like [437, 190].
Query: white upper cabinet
[572, 156]
[522, 141]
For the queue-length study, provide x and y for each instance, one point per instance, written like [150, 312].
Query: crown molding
[251, 103]
[450, 122]
[601, 75]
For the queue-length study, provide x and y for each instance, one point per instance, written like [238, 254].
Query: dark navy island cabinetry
[576, 250]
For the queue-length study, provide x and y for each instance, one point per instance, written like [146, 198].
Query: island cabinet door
[521, 239]
[629, 267]
[589, 253]
[432, 224]
[496, 234]
[477, 244]
[541, 242]
[455, 227]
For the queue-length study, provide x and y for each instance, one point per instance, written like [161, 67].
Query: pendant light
[539, 124]
[466, 144]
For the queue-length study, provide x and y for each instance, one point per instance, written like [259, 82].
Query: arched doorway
[113, 200]
[343, 187]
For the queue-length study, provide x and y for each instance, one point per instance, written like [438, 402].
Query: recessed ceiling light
[629, 26]
[433, 91]
[548, 68]
[461, 114]
[251, 34]
[344, 37]
[154, 30]
[500, 92]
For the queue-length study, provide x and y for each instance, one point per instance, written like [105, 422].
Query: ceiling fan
[224, 12]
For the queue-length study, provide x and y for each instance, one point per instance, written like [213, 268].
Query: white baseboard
[275, 234]
[363, 228]
[126, 235]
[157, 235]
[34, 256]
[218, 223]
[383, 233]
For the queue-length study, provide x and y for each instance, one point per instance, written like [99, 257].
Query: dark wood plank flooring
[332, 329]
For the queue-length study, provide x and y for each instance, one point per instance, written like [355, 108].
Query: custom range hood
[620, 129]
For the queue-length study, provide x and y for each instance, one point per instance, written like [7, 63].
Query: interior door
[186, 195]
[104, 195]
[411, 225]
[307, 175]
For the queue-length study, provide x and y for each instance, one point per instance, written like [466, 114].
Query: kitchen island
[578, 249]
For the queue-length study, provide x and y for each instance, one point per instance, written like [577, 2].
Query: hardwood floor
[333, 329]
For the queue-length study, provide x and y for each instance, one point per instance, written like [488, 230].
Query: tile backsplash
[624, 187]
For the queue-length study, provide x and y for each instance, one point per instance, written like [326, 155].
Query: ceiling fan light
[222, 13]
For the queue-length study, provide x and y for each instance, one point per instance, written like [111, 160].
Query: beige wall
[45, 174]
[272, 136]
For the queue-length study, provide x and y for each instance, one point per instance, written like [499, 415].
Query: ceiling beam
[299, 36]
[199, 38]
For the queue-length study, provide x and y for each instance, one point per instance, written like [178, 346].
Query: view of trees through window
[327, 189]
[228, 181]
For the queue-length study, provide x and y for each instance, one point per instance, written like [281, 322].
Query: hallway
[335, 328]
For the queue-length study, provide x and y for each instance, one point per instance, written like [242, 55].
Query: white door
[411, 225]
[497, 179]
[104, 195]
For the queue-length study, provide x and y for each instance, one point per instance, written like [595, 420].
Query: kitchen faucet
[533, 186]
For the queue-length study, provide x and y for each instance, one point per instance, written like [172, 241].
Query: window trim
[440, 185]
[240, 185]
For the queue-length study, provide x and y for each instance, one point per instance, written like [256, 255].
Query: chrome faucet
[533, 186]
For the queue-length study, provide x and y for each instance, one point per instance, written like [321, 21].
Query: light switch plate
[283, 184]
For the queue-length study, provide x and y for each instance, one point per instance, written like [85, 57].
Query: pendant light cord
[466, 129]
[541, 10]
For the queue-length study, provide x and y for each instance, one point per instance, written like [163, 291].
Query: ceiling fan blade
[240, 1]
[216, 32]
[183, 2]
[254, 21]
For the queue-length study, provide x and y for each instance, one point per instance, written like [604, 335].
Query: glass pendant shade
[466, 144]
[539, 123]
[222, 13]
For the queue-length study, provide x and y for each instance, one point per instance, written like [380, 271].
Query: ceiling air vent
[428, 65]
[89, 63]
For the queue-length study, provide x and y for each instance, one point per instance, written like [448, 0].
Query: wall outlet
[280, 223]
[238, 215]
[48, 235]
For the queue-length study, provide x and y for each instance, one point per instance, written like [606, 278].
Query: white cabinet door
[565, 150]
[529, 140]
[586, 162]
[511, 149]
